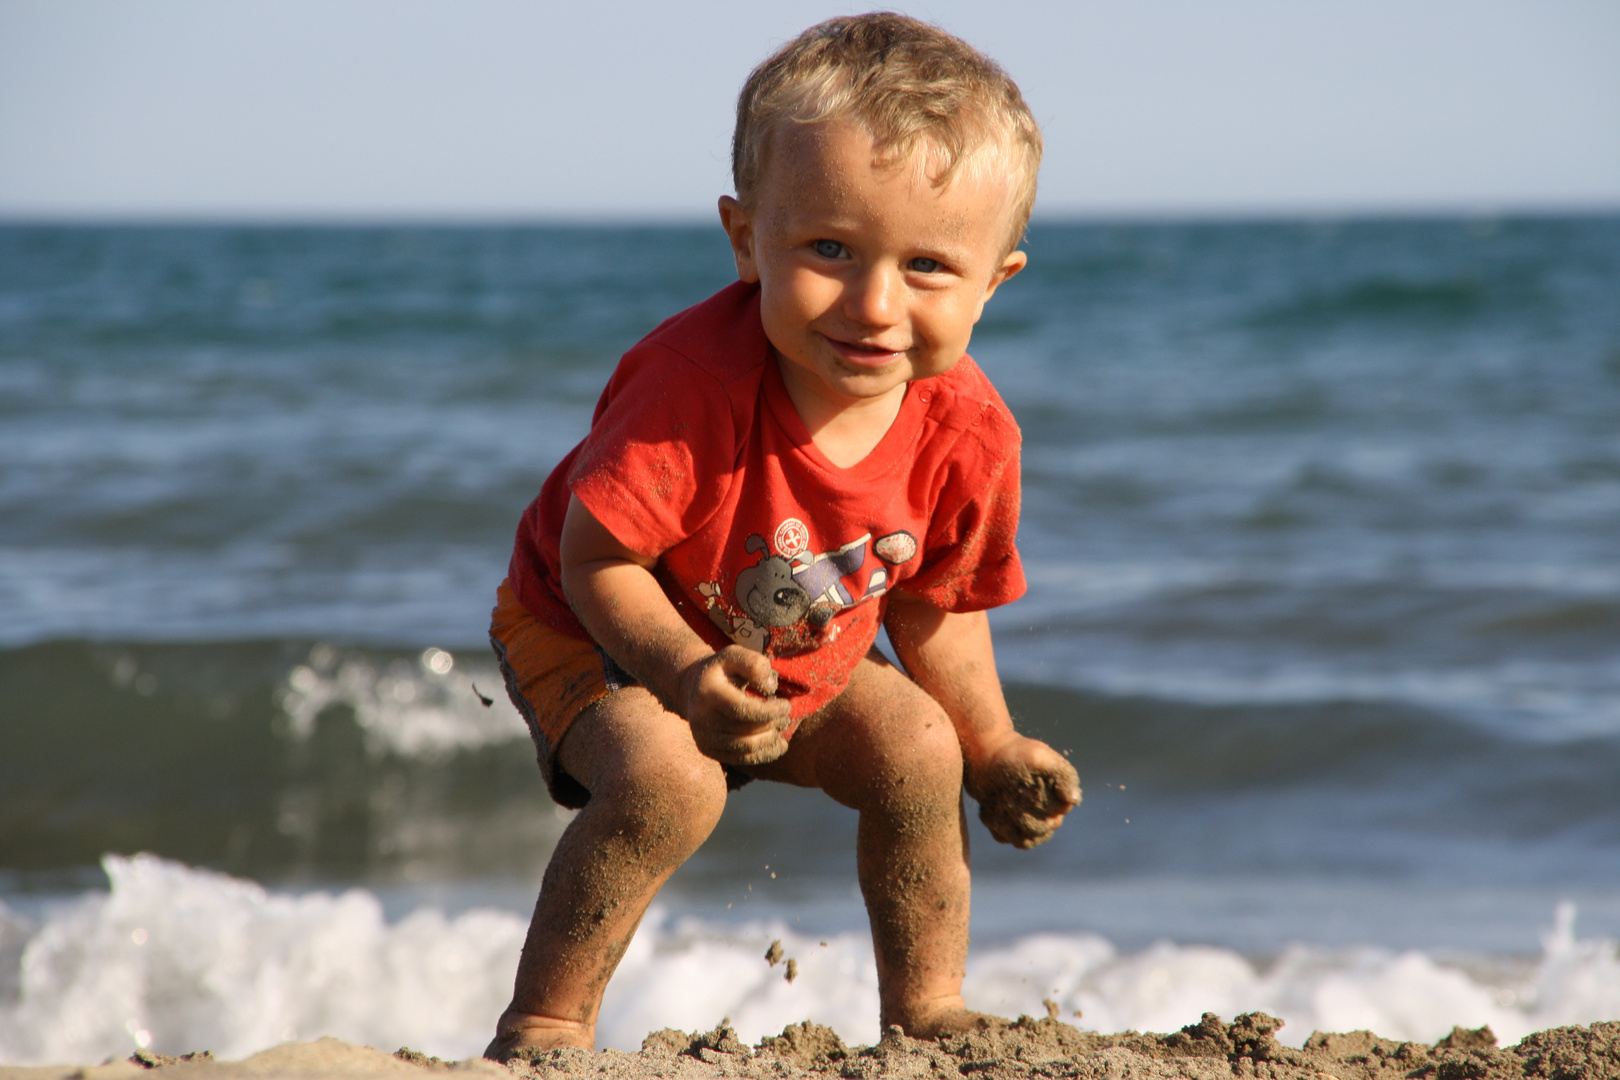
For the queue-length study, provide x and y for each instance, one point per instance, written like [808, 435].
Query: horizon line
[12, 218]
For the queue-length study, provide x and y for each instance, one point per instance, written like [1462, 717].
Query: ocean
[1322, 529]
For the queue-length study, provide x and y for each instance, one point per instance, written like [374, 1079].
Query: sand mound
[1048, 1048]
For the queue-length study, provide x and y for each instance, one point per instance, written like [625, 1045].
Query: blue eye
[925, 266]
[829, 249]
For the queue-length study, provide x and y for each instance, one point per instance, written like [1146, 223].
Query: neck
[844, 432]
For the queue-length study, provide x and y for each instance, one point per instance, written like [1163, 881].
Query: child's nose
[873, 297]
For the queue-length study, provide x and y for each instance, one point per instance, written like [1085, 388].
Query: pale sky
[615, 110]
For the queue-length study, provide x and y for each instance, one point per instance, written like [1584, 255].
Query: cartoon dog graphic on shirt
[785, 603]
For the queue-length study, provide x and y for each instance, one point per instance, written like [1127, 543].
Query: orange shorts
[551, 678]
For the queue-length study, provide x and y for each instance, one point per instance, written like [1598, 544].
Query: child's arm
[1022, 785]
[614, 594]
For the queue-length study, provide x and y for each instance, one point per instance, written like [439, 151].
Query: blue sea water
[1322, 525]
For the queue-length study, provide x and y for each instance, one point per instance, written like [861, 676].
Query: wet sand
[1027, 1049]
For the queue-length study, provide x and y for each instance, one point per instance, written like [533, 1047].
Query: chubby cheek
[786, 324]
[948, 330]
[794, 300]
[808, 293]
[782, 313]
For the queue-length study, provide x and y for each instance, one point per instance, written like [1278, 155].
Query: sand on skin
[1044, 1048]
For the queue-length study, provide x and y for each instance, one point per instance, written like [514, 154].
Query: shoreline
[1027, 1048]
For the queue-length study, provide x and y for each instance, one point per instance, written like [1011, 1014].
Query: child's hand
[729, 724]
[1023, 788]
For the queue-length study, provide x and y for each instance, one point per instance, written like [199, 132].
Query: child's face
[869, 276]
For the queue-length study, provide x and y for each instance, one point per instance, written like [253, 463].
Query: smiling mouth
[861, 355]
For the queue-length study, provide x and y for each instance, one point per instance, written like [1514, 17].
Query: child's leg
[654, 800]
[885, 748]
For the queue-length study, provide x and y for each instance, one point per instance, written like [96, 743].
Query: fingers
[749, 750]
[730, 721]
[730, 749]
[1022, 826]
[721, 684]
[1023, 833]
[748, 669]
[1061, 787]
[731, 675]
[1024, 795]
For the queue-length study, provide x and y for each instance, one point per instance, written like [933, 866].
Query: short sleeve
[970, 560]
[659, 456]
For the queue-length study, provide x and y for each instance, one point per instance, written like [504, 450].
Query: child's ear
[1015, 261]
[739, 226]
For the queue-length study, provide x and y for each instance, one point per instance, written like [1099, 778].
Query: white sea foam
[423, 709]
[176, 959]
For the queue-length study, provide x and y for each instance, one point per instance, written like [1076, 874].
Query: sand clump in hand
[1208, 1050]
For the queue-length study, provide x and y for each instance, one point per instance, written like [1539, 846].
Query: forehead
[833, 168]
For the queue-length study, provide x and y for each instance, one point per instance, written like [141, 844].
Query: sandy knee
[918, 747]
[908, 758]
[645, 775]
[671, 802]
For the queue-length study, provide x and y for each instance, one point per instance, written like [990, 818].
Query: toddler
[770, 475]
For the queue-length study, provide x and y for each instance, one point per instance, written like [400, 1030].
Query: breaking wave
[174, 959]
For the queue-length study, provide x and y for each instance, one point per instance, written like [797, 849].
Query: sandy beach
[1046, 1048]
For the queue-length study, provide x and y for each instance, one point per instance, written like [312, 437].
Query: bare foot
[1023, 789]
[954, 1022]
[516, 1032]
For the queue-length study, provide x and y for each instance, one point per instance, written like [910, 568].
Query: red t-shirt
[697, 455]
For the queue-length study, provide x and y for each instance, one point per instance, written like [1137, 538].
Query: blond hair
[909, 84]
